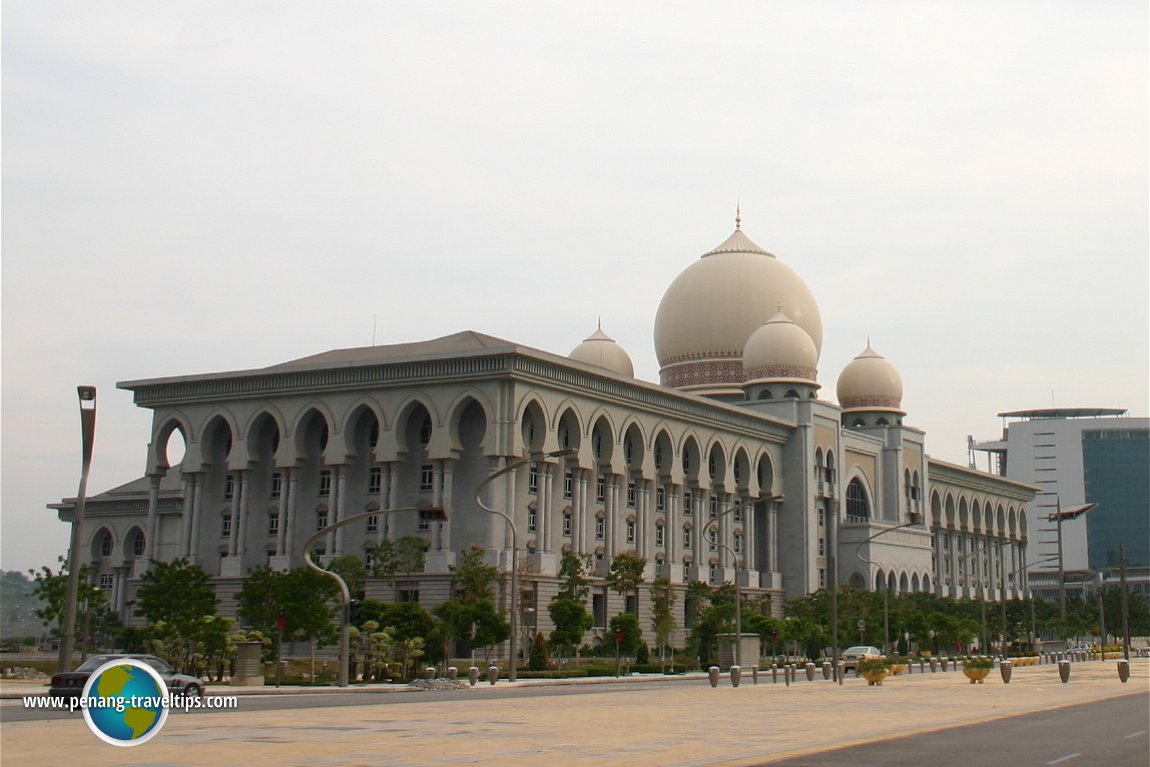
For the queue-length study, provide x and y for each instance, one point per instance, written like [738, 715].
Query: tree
[663, 621]
[50, 588]
[353, 571]
[626, 573]
[632, 633]
[178, 594]
[538, 658]
[573, 569]
[471, 612]
[568, 608]
[305, 597]
[403, 557]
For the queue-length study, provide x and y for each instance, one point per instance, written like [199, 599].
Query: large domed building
[732, 468]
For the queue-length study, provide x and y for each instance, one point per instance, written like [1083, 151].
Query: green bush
[539, 655]
[873, 664]
[977, 661]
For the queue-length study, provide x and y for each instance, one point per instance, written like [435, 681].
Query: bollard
[429, 672]
[1123, 670]
[736, 675]
[826, 669]
[713, 675]
[1005, 667]
[921, 666]
[754, 674]
[842, 671]
[944, 661]
[810, 667]
[774, 673]
[1064, 670]
[473, 675]
[787, 674]
[492, 674]
[933, 665]
[452, 673]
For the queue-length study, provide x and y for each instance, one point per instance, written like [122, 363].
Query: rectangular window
[660, 499]
[822, 547]
[739, 513]
[407, 592]
[532, 519]
[424, 525]
[688, 504]
[600, 528]
[713, 540]
[426, 478]
[822, 517]
[273, 523]
[566, 524]
[713, 573]
[738, 547]
[277, 485]
[631, 492]
[373, 523]
[660, 534]
[106, 581]
[600, 490]
[533, 480]
[321, 519]
[714, 506]
[568, 484]
[687, 538]
[229, 487]
[325, 482]
[599, 610]
[630, 531]
[822, 577]
[375, 480]
[225, 525]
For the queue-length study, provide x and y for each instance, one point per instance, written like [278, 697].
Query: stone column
[244, 477]
[234, 511]
[185, 548]
[291, 485]
[392, 500]
[445, 496]
[282, 511]
[153, 512]
[197, 523]
[337, 509]
[495, 500]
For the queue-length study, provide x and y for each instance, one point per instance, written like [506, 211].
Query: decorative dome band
[704, 373]
[795, 372]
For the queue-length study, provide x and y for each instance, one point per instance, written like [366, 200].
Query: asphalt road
[1110, 733]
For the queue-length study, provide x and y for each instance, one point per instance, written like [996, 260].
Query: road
[1114, 733]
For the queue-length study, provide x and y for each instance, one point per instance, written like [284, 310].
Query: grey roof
[454, 345]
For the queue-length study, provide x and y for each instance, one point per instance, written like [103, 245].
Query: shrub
[873, 664]
[978, 661]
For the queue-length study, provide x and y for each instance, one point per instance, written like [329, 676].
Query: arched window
[858, 509]
[138, 544]
[106, 544]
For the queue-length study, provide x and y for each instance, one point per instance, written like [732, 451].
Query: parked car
[852, 655]
[71, 684]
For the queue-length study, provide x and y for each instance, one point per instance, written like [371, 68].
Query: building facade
[731, 468]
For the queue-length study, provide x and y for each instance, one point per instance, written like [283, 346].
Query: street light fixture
[87, 395]
[885, 581]
[434, 513]
[738, 586]
[1059, 516]
[514, 607]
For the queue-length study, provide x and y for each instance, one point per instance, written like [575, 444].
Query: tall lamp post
[885, 582]
[514, 607]
[434, 513]
[738, 586]
[1059, 516]
[87, 396]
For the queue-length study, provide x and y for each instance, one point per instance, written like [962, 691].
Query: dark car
[71, 684]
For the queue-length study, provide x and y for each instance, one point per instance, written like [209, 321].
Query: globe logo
[125, 702]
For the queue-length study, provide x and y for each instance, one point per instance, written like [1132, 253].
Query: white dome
[869, 382]
[713, 307]
[780, 350]
[600, 349]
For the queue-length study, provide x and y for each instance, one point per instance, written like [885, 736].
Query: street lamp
[514, 608]
[885, 581]
[738, 586]
[434, 513]
[1059, 516]
[87, 395]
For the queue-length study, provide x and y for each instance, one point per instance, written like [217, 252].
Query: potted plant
[873, 670]
[976, 668]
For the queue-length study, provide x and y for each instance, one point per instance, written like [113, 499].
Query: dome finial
[599, 322]
[738, 214]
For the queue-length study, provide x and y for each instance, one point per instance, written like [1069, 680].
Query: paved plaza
[682, 723]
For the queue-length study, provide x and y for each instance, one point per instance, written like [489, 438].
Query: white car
[852, 655]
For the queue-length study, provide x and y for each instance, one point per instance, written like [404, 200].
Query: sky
[210, 186]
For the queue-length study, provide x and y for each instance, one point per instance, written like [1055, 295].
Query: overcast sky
[198, 187]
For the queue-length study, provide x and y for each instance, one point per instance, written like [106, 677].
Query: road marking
[1064, 758]
[1135, 734]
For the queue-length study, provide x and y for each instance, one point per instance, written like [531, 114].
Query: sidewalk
[684, 724]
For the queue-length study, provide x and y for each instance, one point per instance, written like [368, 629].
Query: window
[822, 517]
[321, 519]
[568, 483]
[600, 528]
[426, 478]
[424, 525]
[858, 510]
[631, 493]
[714, 506]
[373, 523]
[822, 577]
[532, 519]
[739, 513]
[738, 547]
[599, 609]
[600, 490]
[660, 499]
[225, 525]
[711, 466]
[660, 536]
[107, 580]
[425, 431]
[373, 435]
[566, 524]
[630, 531]
[323, 438]
[822, 547]
[688, 504]
[713, 573]
[277, 485]
[686, 538]
[106, 545]
[273, 522]
[229, 487]
[713, 540]
[138, 545]
[325, 482]
[686, 463]
[533, 479]
[407, 592]
[375, 480]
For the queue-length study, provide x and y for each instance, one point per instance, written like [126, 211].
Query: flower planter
[874, 677]
[976, 675]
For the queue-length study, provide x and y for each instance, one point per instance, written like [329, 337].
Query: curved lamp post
[885, 581]
[514, 606]
[434, 513]
[738, 587]
[87, 396]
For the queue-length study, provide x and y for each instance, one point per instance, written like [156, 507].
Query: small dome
[869, 382]
[780, 350]
[712, 308]
[600, 349]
